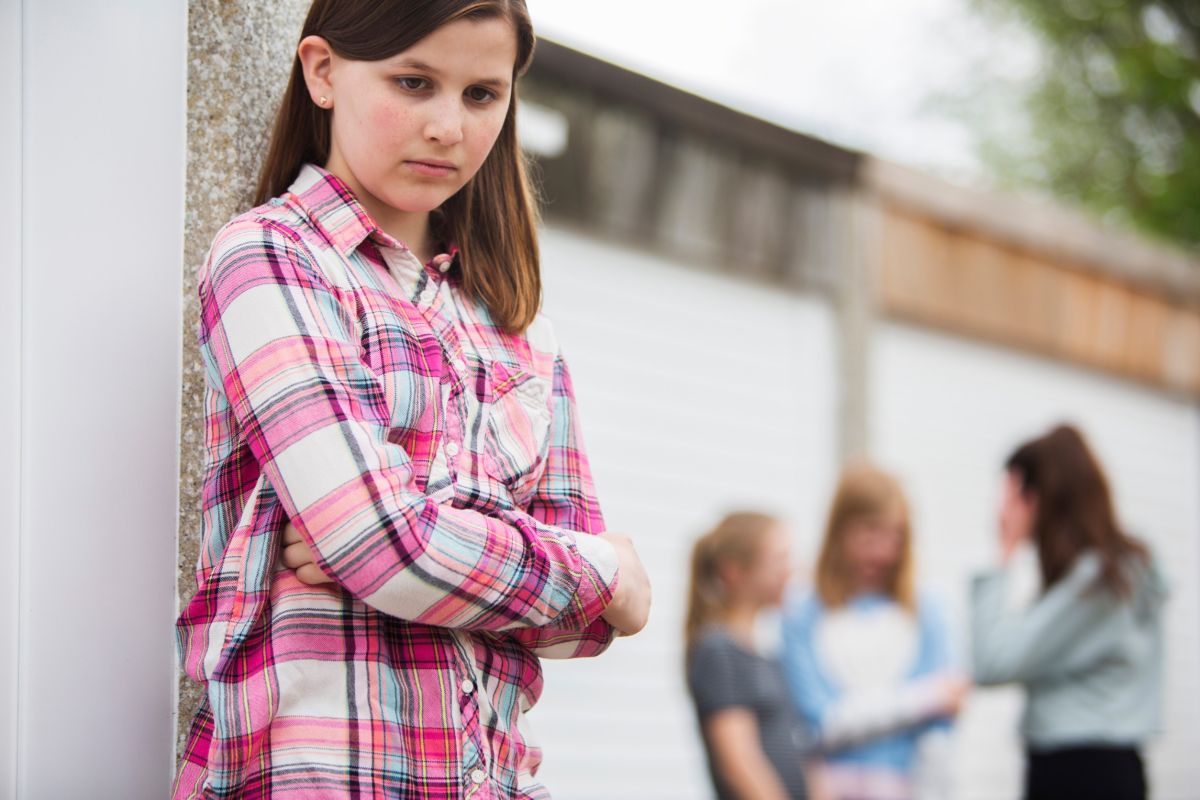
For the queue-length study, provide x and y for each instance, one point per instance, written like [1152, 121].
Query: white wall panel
[698, 394]
[103, 114]
[946, 413]
[10, 386]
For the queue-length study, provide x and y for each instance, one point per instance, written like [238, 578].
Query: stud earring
[324, 100]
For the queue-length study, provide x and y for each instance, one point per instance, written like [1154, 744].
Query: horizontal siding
[945, 414]
[697, 394]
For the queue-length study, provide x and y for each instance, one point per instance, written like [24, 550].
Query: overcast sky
[860, 73]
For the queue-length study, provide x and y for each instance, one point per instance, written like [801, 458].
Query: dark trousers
[1086, 773]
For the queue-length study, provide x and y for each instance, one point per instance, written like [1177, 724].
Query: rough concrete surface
[239, 56]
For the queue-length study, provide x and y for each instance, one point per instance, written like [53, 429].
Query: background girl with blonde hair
[752, 736]
[398, 514]
[868, 660]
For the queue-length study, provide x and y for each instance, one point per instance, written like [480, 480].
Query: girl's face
[410, 131]
[765, 581]
[874, 546]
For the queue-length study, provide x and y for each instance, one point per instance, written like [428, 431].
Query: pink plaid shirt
[434, 464]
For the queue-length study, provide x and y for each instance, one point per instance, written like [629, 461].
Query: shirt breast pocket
[516, 436]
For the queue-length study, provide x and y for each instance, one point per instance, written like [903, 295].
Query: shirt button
[451, 449]
[468, 685]
[478, 776]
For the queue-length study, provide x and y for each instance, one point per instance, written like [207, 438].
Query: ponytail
[704, 591]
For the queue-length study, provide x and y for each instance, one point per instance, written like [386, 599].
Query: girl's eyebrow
[417, 64]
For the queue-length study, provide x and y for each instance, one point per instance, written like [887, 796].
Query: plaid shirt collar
[337, 213]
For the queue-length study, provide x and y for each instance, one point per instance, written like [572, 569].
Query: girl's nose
[444, 125]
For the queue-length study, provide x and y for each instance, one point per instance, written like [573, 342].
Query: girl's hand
[630, 607]
[298, 556]
[1012, 537]
[955, 689]
[1018, 510]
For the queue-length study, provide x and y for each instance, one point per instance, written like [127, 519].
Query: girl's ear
[728, 575]
[316, 59]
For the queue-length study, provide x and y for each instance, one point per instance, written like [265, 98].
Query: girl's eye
[481, 95]
[412, 84]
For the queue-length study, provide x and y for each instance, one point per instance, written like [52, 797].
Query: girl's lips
[430, 169]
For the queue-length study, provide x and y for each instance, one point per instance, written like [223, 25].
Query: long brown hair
[493, 218]
[1074, 508]
[864, 491]
[737, 539]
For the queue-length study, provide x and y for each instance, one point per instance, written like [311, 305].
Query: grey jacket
[1090, 661]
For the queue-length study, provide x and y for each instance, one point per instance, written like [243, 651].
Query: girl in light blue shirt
[1089, 649]
[868, 660]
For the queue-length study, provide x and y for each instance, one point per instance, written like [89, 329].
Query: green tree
[1113, 116]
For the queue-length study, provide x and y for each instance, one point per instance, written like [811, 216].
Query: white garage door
[946, 414]
[698, 394]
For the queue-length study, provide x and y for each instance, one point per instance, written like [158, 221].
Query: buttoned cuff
[599, 574]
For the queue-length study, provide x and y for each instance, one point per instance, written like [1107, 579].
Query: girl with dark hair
[398, 514]
[752, 736]
[1089, 649]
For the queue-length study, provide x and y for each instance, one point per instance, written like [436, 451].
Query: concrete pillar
[856, 227]
[239, 56]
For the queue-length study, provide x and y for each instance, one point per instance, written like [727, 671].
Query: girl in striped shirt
[754, 739]
[398, 516]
